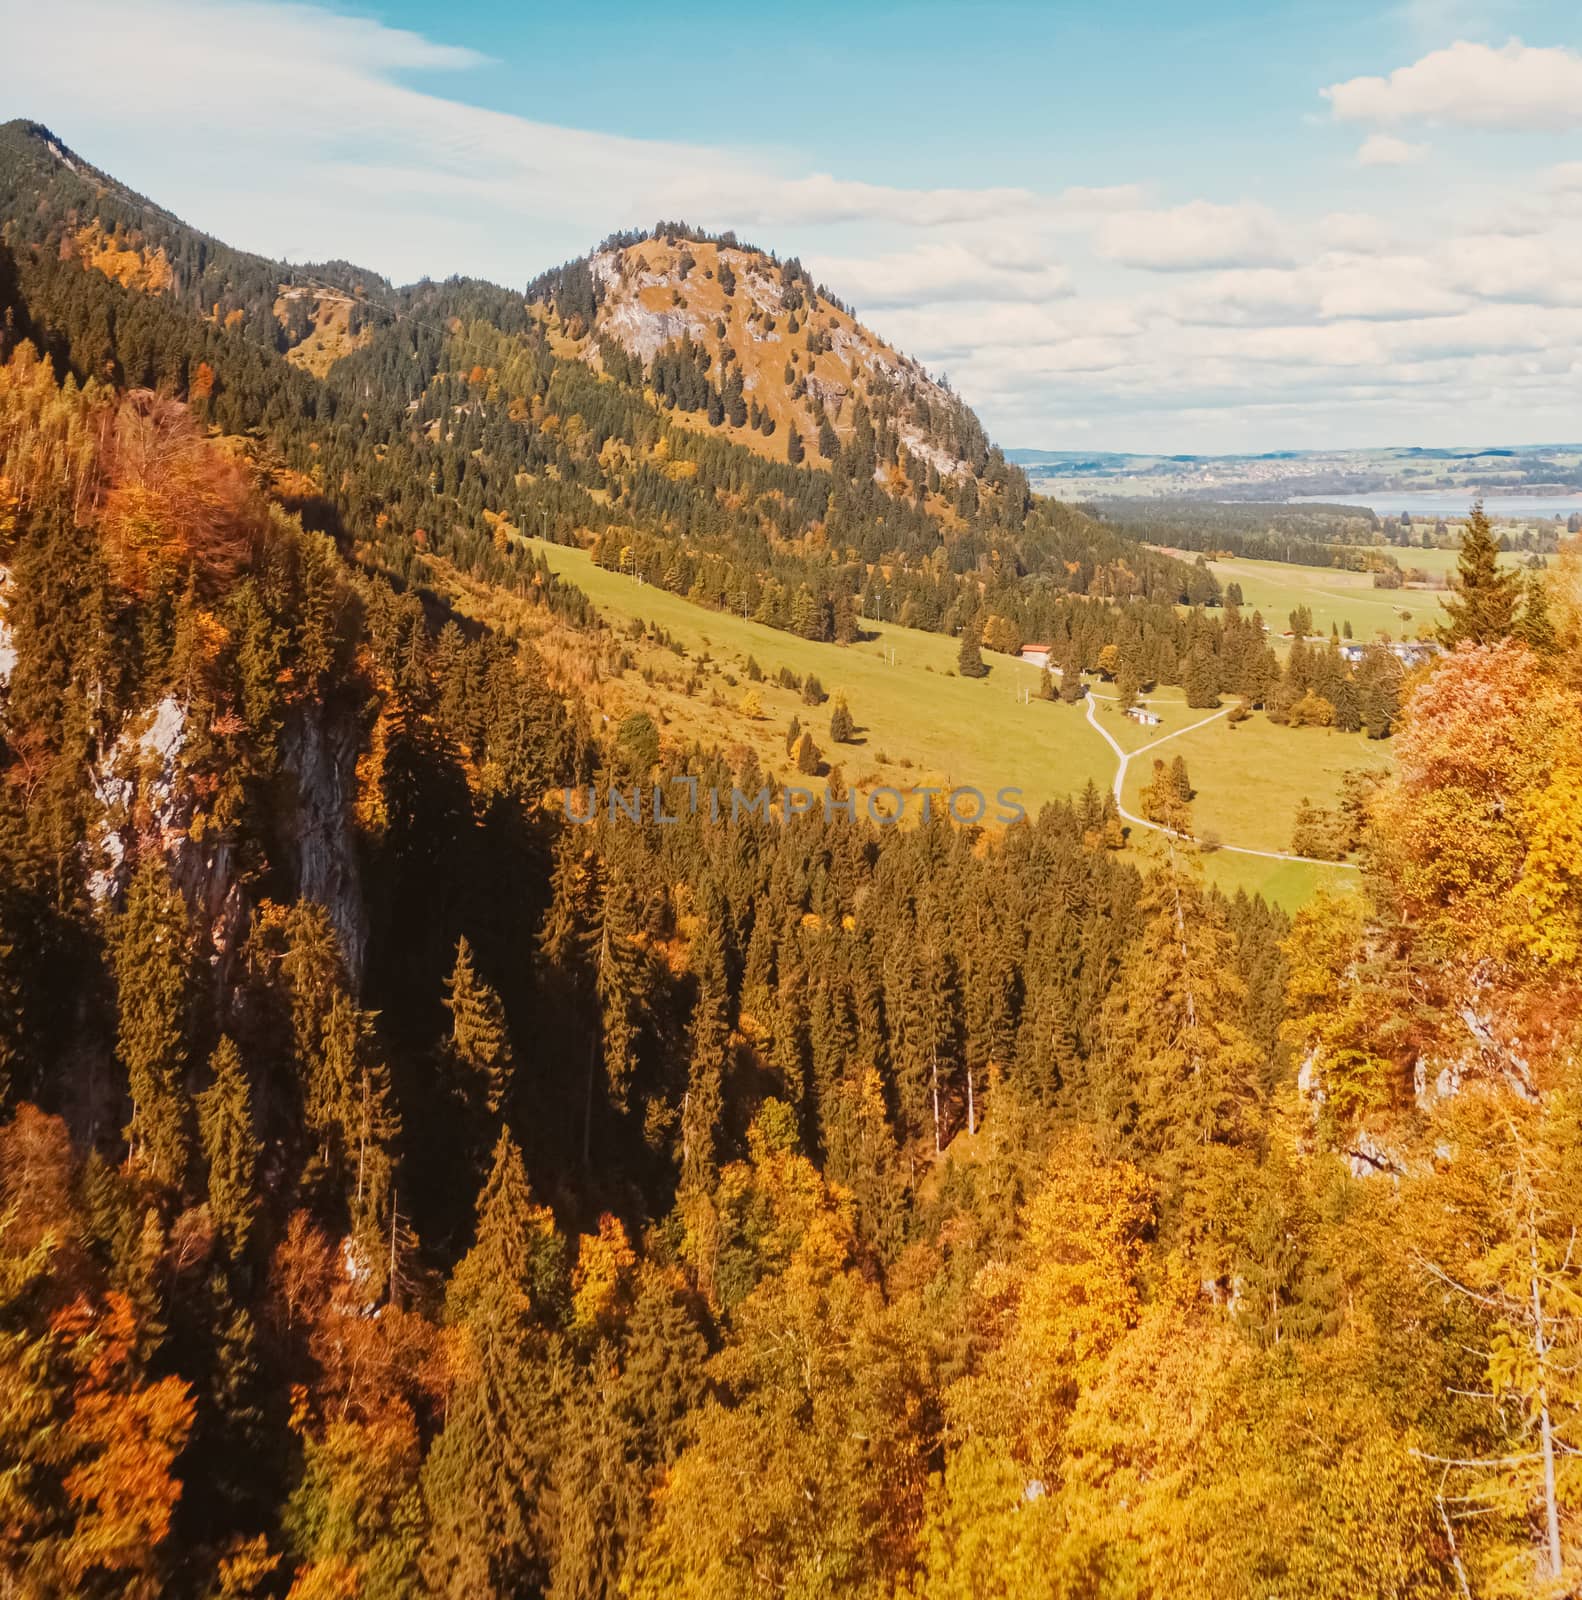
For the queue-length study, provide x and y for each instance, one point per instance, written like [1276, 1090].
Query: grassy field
[916, 721]
[1335, 597]
[1277, 588]
[1250, 776]
[920, 724]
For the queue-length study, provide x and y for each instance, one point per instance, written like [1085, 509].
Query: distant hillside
[733, 339]
[1390, 472]
[687, 406]
[51, 198]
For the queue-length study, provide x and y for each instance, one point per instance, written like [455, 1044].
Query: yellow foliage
[601, 1282]
[1054, 1315]
[126, 263]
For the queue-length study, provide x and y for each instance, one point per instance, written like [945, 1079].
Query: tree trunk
[934, 1080]
[1546, 1430]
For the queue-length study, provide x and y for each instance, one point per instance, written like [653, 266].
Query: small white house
[1036, 655]
[1149, 719]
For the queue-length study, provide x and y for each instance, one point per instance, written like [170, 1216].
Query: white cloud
[1516, 86]
[821, 198]
[1194, 236]
[1384, 150]
[949, 270]
[1539, 271]
[1197, 323]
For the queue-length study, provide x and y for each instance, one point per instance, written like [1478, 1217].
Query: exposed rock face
[647, 301]
[137, 787]
[141, 788]
[319, 752]
[7, 647]
[1366, 1157]
[144, 797]
[1495, 1049]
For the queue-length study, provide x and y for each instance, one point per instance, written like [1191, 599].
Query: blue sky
[1153, 227]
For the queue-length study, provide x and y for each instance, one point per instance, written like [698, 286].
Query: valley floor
[919, 724]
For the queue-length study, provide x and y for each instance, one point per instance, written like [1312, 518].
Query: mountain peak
[734, 340]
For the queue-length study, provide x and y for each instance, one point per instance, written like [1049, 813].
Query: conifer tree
[1072, 688]
[365, 1131]
[619, 982]
[805, 617]
[969, 659]
[1180, 778]
[230, 1146]
[1176, 1071]
[1535, 627]
[151, 954]
[708, 1053]
[488, 1468]
[841, 727]
[1483, 608]
[1201, 680]
[1126, 686]
[808, 756]
[480, 1045]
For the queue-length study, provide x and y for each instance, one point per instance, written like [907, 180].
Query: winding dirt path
[1124, 758]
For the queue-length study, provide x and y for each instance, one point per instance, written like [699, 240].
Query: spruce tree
[480, 1043]
[1072, 688]
[489, 1467]
[1535, 628]
[808, 756]
[620, 981]
[1176, 1072]
[1201, 680]
[841, 727]
[969, 659]
[230, 1146]
[1483, 607]
[152, 963]
[708, 1048]
[1178, 776]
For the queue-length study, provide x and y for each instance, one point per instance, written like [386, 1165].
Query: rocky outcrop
[145, 800]
[316, 832]
[1368, 1157]
[7, 646]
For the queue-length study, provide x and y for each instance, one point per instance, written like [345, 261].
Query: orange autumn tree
[1480, 831]
[88, 1442]
[176, 503]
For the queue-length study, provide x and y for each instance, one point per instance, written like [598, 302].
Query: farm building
[1149, 719]
[1036, 655]
[1413, 652]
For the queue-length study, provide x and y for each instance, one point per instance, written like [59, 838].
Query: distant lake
[1449, 502]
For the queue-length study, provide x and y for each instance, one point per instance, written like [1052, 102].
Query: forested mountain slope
[489, 410]
[407, 1191]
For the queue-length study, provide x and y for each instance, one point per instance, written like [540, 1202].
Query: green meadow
[918, 723]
